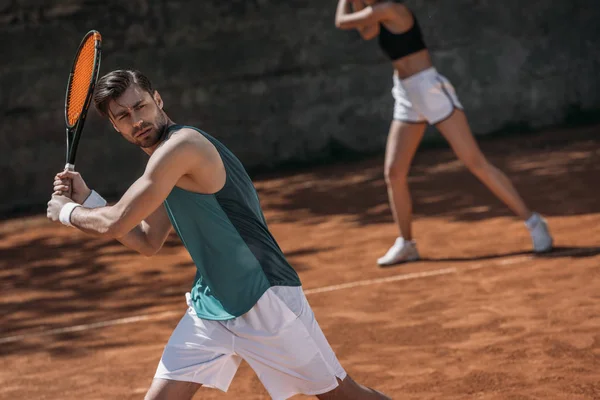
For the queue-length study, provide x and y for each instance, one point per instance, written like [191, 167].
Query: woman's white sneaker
[401, 251]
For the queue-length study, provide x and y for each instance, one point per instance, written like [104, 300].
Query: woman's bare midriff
[412, 64]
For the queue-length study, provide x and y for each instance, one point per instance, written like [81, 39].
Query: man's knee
[164, 389]
[337, 393]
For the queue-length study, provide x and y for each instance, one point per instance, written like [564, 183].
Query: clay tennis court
[479, 317]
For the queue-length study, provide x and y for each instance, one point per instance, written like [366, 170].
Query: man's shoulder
[182, 142]
[185, 136]
[183, 133]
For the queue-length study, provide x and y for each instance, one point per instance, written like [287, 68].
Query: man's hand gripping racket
[80, 88]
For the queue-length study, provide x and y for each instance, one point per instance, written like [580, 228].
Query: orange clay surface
[479, 317]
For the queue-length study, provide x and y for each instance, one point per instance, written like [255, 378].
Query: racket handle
[69, 167]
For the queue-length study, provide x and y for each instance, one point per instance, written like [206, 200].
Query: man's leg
[199, 352]
[350, 390]
[283, 343]
[165, 389]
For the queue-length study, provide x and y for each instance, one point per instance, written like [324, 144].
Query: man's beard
[155, 135]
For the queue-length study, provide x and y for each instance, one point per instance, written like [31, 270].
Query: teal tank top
[236, 257]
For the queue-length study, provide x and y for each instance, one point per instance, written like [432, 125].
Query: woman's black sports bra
[398, 45]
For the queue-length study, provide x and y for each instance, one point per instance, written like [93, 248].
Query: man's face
[138, 116]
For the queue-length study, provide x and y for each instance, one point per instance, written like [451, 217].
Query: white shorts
[426, 96]
[279, 338]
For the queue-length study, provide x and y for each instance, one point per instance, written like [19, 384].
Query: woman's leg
[402, 144]
[458, 133]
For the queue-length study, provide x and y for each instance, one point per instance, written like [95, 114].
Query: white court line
[157, 316]
[395, 278]
[366, 282]
[165, 314]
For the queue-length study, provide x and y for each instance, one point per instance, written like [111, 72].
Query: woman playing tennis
[423, 96]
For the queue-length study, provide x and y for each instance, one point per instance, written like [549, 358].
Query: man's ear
[158, 99]
[113, 125]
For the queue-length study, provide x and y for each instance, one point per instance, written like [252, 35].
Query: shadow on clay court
[76, 277]
[555, 172]
[79, 277]
[45, 278]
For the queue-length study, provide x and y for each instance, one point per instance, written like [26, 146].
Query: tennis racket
[80, 88]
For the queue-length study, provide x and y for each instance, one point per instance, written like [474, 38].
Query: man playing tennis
[246, 302]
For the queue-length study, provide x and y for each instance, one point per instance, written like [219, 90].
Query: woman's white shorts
[426, 96]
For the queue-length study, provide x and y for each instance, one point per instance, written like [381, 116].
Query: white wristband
[94, 200]
[65, 213]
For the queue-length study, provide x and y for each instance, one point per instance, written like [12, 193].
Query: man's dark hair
[112, 85]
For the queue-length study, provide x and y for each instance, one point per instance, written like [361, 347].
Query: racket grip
[69, 167]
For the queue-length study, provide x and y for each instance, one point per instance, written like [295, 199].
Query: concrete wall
[274, 80]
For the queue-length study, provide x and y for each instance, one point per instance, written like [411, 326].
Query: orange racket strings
[84, 67]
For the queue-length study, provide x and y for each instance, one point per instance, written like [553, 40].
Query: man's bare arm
[168, 164]
[149, 235]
